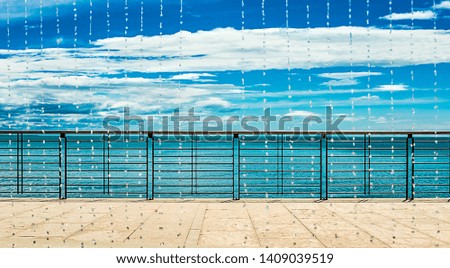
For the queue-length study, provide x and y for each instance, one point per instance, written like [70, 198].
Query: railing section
[224, 165]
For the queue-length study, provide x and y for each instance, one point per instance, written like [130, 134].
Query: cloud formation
[117, 72]
[223, 50]
[443, 5]
[391, 88]
[416, 15]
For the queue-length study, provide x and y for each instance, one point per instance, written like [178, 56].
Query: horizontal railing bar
[375, 170]
[432, 185]
[200, 186]
[188, 194]
[187, 163]
[196, 170]
[197, 156]
[96, 170]
[430, 149]
[189, 149]
[431, 163]
[178, 178]
[284, 132]
[429, 170]
[274, 170]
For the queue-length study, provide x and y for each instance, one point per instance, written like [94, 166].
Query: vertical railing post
[146, 168]
[277, 139]
[152, 186]
[282, 164]
[365, 164]
[324, 167]
[410, 167]
[21, 163]
[369, 164]
[18, 162]
[192, 164]
[62, 166]
[148, 177]
[104, 142]
[236, 167]
[413, 174]
[108, 163]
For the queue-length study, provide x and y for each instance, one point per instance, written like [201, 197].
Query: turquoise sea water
[278, 166]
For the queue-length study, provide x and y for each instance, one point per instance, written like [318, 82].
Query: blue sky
[68, 64]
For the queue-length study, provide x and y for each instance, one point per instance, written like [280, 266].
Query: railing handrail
[239, 132]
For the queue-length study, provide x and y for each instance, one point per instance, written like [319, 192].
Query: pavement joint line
[253, 225]
[23, 212]
[38, 223]
[142, 223]
[415, 229]
[201, 225]
[93, 222]
[357, 226]
[309, 230]
[201, 211]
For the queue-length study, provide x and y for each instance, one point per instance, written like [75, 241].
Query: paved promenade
[224, 223]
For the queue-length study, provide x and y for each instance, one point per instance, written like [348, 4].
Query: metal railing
[322, 165]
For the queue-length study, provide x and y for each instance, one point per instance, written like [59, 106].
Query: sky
[67, 65]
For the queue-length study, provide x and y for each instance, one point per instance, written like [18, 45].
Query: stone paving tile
[245, 223]
[168, 225]
[291, 243]
[283, 231]
[228, 239]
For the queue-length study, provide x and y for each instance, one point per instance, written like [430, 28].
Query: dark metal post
[195, 136]
[146, 168]
[21, 163]
[324, 167]
[232, 166]
[278, 162]
[65, 167]
[365, 164]
[62, 166]
[104, 141]
[369, 168]
[152, 193]
[282, 164]
[410, 167]
[192, 164]
[18, 162]
[237, 139]
[108, 162]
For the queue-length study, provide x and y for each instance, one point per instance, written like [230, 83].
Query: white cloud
[66, 73]
[223, 49]
[348, 75]
[345, 78]
[191, 76]
[366, 98]
[391, 88]
[301, 113]
[381, 120]
[417, 15]
[443, 5]
[340, 83]
[213, 102]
